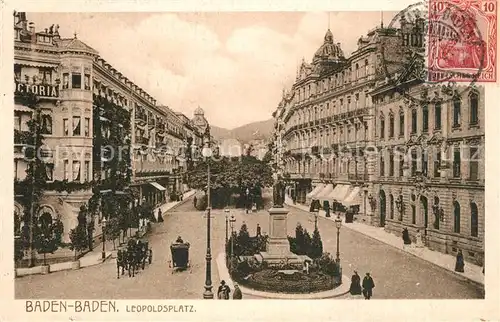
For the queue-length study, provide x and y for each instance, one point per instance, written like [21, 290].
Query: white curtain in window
[76, 170]
[76, 124]
[49, 172]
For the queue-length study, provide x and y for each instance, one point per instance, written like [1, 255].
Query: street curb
[462, 277]
[184, 200]
[224, 275]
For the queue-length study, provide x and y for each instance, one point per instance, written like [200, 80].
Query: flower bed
[269, 280]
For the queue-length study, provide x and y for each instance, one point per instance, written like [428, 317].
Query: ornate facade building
[366, 135]
[77, 90]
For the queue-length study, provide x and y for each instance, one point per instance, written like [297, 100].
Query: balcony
[21, 137]
[141, 140]
[363, 177]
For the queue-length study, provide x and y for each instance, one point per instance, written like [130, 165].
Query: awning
[339, 193]
[35, 63]
[324, 193]
[317, 189]
[158, 186]
[22, 108]
[353, 198]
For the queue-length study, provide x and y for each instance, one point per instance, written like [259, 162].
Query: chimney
[32, 27]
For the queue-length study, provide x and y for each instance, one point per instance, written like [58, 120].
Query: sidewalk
[94, 257]
[472, 272]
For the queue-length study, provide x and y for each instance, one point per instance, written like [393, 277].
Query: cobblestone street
[396, 274]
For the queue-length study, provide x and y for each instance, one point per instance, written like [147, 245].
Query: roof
[74, 44]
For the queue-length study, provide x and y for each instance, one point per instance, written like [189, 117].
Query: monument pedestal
[278, 247]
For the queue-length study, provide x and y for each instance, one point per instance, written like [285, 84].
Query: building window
[473, 163]
[76, 170]
[382, 127]
[456, 112]
[66, 127]
[473, 220]
[456, 217]
[65, 83]
[456, 162]
[437, 164]
[425, 118]
[413, 121]
[87, 171]
[76, 125]
[413, 163]
[76, 80]
[66, 170]
[45, 75]
[425, 163]
[437, 116]
[473, 103]
[401, 165]
[15, 168]
[86, 80]
[391, 125]
[46, 124]
[413, 210]
[382, 165]
[401, 124]
[87, 127]
[49, 171]
[391, 165]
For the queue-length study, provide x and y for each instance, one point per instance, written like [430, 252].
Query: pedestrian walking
[160, 218]
[406, 238]
[355, 288]
[368, 286]
[237, 295]
[459, 265]
[259, 232]
[223, 291]
[194, 201]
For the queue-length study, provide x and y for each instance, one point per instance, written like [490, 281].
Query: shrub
[78, 237]
[316, 248]
[112, 230]
[202, 203]
[327, 265]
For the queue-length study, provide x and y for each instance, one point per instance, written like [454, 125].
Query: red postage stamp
[462, 40]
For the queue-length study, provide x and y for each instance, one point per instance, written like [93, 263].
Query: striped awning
[317, 189]
[35, 63]
[324, 193]
[338, 194]
[352, 198]
[158, 186]
[22, 108]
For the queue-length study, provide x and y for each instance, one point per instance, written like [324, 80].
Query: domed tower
[199, 120]
[329, 55]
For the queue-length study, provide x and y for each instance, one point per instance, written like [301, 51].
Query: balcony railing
[357, 177]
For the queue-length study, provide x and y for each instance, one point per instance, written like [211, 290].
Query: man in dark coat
[223, 291]
[355, 288]
[368, 286]
[406, 237]
[160, 218]
[459, 265]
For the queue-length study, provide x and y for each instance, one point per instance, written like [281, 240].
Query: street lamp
[207, 153]
[103, 238]
[227, 221]
[338, 223]
[232, 221]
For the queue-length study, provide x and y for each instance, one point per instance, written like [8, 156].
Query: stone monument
[278, 247]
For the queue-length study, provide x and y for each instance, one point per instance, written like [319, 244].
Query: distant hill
[261, 130]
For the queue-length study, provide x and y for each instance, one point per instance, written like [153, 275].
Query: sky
[234, 65]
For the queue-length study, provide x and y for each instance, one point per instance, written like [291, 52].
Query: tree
[316, 249]
[307, 243]
[113, 229]
[299, 240]
[45, 242]
[244, 239]
[78, 237]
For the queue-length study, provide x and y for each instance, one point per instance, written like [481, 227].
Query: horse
[131, 262]
[121, 262]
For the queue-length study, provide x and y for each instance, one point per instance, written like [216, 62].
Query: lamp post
[207, 153]
[338, 223]
[232, 221]
[103, 239]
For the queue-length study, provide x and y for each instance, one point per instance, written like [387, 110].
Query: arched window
[437, 116]
[473, 105]
[436, 210]
[382, 126]
[401, 123]
[391, 125]
[456, 217]
[391, 206]
[357, 71]
[414, 121]
[474, 223]
[457, 104]
[425, 118]
[367, 70]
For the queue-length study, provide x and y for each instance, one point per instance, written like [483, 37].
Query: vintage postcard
[322, 155]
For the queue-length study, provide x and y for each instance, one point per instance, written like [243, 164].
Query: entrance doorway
[382, 208]
[425, 212]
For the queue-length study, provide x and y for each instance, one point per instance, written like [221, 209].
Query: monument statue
[278, 192]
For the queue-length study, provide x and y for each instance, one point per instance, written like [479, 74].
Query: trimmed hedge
[269, 280]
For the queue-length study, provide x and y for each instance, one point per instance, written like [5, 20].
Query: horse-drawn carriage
[133, 257]
[180, 255]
